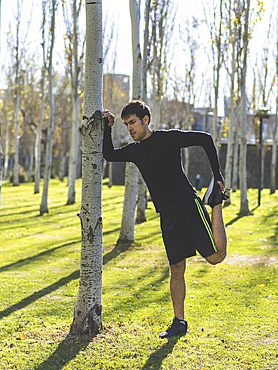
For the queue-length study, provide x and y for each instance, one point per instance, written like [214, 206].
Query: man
[185, 223]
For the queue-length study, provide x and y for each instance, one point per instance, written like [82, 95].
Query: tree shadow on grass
[240, 215]
[65, 352]
[41, 293]
[117, 250]
[30, 259]
[155, 360]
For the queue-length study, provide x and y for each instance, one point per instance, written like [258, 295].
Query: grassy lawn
[231, 308]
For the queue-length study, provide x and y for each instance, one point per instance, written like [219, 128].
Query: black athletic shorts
[185, 230]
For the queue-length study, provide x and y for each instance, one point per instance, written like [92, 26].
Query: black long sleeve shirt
[159, 160]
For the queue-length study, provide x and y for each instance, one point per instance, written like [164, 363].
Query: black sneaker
[178, 327]
[214, 196]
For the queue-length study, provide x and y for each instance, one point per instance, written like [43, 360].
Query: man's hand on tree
[109, 117]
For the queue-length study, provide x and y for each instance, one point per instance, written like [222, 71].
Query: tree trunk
[274, 137]
[73, 150]
[128, 216]
[39, 128]
[145, 51]
[216, 82]
[7, 149]
[16, 156]
[62, 164]
[75, 114]
[50, 129]
[1, 163]
[141, 204]
[31, 162]
[87, 313]
[229, 156]
[235, 150]
[110, 173]
[243, 140]
[38, 141]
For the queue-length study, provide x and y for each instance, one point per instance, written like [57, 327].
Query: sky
[117, 12]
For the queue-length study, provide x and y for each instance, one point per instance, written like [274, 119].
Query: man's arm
[198, 138]
[111, 154]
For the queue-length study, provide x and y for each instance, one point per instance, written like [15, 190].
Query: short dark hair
[136, 107]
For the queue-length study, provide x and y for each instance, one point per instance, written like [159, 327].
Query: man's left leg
[178, 288]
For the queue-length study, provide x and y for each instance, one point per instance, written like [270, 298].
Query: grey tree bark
[128, 216]
[39, 128]
[141, 193]
[87, 313]
[274, 137]
[16, 155]
[243, 140]
[50, 129]
[74, 74]
[1, 164]
[229, 156]
[235, 148]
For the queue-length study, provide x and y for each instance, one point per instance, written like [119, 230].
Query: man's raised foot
[214, 196]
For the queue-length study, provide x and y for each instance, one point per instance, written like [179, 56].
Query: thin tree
[17, 56]
[218, 46]
[128, 215]
[274, 136]
[141, 187]
[243, 138]
[87, 313]
[162, 24]
[40, 122]
[232, 25]
[50, 128]
[75, 64]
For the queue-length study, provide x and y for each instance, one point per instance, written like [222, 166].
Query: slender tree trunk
[110, 173]
[128, 216]
[1, 163]
[141, 205]
[7, 149]
[75, 115]
[87, 313]
[229, 156]
[216, 86]
[235, 150]
[243, 140]
[73, 150]
[39, 128]
[274, 154]
[50, 129]
[145, 51]
[16, 156]
[31, 162]
[38, 140]
[274, 137]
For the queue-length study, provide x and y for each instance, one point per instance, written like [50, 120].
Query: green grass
[231, 308]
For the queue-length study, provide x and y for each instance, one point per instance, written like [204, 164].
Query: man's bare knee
[178, 269]
[216, 258]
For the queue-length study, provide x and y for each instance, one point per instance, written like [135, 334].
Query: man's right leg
[214, 197]
[219, 236]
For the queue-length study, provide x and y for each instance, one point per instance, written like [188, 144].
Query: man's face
[137, 129]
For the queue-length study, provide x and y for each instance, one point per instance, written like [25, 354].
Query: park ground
[231, 308]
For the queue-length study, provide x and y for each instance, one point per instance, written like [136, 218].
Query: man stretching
[185, 223]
